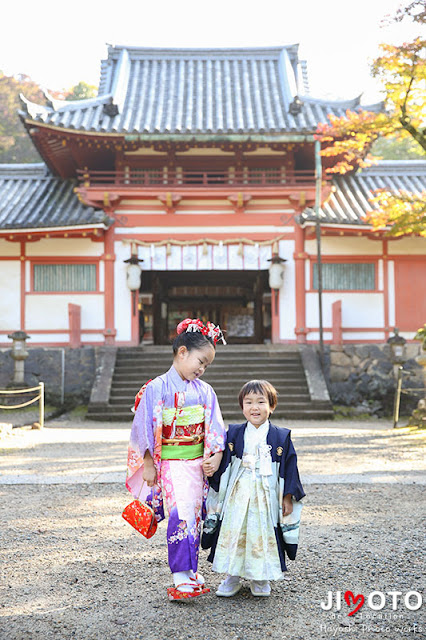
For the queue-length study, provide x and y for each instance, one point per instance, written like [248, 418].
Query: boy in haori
[177, 439]
[253, 508]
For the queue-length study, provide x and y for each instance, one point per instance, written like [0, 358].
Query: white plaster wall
[101, 275]
[27, 276]
[407, 246]
[287, 299]
[9, 248]
[51, 311]
[358, 309]
[362, 336]
[62, 247]
[10, 299]
[315, 336]
[52, 338]
[92, 337]
[345, 246]
[122, 304]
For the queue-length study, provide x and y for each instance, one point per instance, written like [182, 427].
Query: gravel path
[71, 568]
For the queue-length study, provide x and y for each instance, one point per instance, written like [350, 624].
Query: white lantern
[134, 276]
[276, 272]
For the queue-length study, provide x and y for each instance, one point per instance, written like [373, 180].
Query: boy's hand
[211, 465]
[287, 505]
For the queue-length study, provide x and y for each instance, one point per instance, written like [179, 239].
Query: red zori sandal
[174, 593]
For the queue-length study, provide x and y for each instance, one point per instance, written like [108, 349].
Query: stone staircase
[284, 366]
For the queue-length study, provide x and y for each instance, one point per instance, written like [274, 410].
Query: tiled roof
[30, 197]
[349, 202]
[195, 91]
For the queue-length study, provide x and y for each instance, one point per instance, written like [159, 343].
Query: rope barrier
[10, 391]
[18, 406]
[39, 398]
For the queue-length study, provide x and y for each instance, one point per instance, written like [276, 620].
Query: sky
[58, 44]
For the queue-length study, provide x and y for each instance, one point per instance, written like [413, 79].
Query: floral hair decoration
[209, 330]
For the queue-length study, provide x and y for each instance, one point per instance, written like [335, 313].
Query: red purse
[141, 517]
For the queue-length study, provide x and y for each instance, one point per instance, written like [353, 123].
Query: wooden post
[74, 314]
[299, 260]
[41, 406]
[109, 258]
[336, 308]
[258, 309]
[275, 316]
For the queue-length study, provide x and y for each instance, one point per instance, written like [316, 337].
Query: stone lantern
[397, 347]
[19, 354]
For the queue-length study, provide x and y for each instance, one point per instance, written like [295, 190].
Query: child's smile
[256, 408]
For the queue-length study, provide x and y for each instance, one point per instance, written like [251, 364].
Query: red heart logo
[351, 599]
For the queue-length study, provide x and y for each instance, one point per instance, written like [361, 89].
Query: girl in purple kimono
[177, 439]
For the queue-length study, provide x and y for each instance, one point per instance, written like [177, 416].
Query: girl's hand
[149, 475]
[287, 505]
[211, 465]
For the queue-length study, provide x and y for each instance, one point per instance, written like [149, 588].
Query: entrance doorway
[239, 301]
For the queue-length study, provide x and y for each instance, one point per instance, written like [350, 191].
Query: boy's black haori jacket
[284, 454]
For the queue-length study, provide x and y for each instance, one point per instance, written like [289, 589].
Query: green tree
[397, 149]
[81, 91]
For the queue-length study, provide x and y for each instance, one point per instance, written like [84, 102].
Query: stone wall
[72, 369]
[362, 377]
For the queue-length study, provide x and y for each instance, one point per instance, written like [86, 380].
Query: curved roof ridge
[153, 91]
[67, 105]
[184, 51]
[395, 166]
[18, 166]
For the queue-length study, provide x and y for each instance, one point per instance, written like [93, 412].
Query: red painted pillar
[275, 313]
[336, 310]
[299, 259]
[74, 314]
[134, 301]
[109, 258]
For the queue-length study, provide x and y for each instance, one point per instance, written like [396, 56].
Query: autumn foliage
[347, 140]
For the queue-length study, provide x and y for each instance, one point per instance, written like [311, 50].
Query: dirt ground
[72, 568]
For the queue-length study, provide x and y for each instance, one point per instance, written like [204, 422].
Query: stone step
[242, 373]
[248, 355]
[241, 364]
[281, 366]
[125, 389]
[283, 350]
[264, 362]
[219, 385]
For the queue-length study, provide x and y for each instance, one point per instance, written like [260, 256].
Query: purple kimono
[181, 483]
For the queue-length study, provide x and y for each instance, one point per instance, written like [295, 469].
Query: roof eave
[77, 227]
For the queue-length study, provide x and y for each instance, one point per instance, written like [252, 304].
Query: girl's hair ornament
[209, 330]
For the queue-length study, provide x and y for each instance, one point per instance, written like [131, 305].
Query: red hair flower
[210, 330]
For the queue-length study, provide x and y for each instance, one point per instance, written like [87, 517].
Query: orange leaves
[403, 212]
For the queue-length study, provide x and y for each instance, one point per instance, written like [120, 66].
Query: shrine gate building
[200, 163]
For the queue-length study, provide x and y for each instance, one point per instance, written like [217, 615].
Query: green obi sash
[186, 452]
